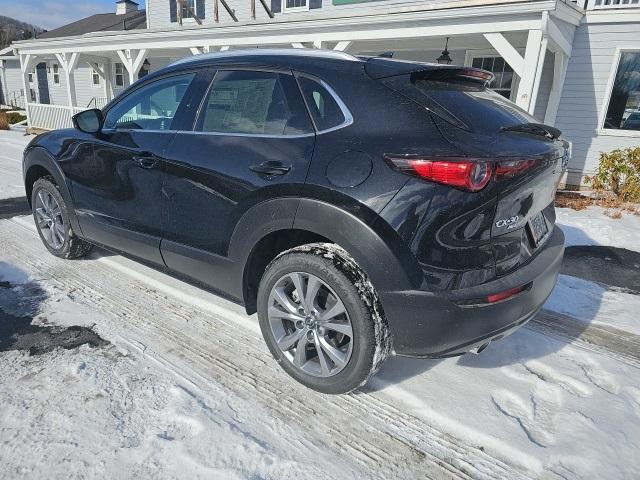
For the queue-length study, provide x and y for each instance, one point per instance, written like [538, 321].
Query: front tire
[321, 318]
[51, 215]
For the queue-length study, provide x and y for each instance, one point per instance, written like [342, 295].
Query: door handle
[145, 161]
[271, 168]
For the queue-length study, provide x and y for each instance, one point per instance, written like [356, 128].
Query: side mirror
[89, 121]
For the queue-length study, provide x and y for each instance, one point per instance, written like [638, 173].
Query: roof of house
[100, 22]
[7, 52]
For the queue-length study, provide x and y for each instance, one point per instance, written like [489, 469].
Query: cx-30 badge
[508, 222]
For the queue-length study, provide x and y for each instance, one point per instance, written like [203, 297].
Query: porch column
[69, 62]
[132, 61]
[561, 44]
[200, 50]
[3, 81]
[108, 81]
[561, 61]
[533, 63]
[26, 64]
[342, 46]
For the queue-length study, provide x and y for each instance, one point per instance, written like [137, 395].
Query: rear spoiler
[534, 129]
[379, 67]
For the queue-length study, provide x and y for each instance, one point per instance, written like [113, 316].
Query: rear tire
[51, 215]
[337, 313]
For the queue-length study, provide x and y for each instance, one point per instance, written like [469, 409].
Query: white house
[572, 65]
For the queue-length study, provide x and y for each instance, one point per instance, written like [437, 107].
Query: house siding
[13, 76]
[584, 94]
[159, 15]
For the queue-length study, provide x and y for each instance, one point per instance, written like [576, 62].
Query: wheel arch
[292, 222]
[39, 163]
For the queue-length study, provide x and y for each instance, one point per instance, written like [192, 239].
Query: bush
[619, 172]
[15, 117]
[9, 118]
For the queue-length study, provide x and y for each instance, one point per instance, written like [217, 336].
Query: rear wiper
[534, 129]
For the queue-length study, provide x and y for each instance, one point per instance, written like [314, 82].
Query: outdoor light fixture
[445, 59]
[144, 68]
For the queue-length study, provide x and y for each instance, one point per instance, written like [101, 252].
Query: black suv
[362, 206]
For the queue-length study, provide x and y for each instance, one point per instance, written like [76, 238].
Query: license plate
[538, 228]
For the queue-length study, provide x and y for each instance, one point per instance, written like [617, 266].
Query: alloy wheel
[310, 324]
[49, 218]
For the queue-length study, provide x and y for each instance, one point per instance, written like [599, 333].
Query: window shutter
[315, 4]
[173, 10]
[200, 10]
[276, 6]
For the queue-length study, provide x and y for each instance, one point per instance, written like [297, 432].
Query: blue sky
[52, 14]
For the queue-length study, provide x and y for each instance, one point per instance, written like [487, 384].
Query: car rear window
[464, 104]
[324, 108]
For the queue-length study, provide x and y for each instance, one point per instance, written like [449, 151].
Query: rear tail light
[510, 168]
[468, 174]
[498, 297]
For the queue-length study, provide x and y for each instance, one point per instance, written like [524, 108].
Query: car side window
[324, 108]
[255, 103]
[152, 107]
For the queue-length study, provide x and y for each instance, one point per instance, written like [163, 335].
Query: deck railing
[609, 4]
[97, 102]
[51, 117]
[15, 99]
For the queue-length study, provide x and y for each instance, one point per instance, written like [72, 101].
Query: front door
[43, 83]
[253, 140]
[117, 190]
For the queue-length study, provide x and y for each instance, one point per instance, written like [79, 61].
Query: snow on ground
[594, 303]
[12, 145]
[187, 389]
[591, 302]
[591, 227]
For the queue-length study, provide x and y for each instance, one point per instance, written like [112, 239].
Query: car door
[253, 140]
[117, 189]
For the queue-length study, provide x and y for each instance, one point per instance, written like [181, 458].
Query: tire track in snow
[188, 339]
[607, 340]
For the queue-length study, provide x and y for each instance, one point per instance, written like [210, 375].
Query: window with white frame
[31, 75]
[95, 76]
[294, 5]
[188, 9]
[623, 109]
[118, 70]
[502, 82]
[55, 68]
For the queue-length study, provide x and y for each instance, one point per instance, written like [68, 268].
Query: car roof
[285, 55]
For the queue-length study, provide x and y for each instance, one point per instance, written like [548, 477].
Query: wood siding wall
[159, 15]
[13, 76]
[584, 93]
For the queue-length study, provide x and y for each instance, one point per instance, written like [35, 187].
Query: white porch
[534, 39]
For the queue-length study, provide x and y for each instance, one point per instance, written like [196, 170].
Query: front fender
[37, 159]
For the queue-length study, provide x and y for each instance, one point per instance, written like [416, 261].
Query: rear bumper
[437, 324]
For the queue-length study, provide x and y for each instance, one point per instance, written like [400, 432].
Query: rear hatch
[528, 157]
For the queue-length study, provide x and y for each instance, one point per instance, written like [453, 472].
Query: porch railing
[97, 102]
[51, 117]
[15, 99]
[610, 4]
